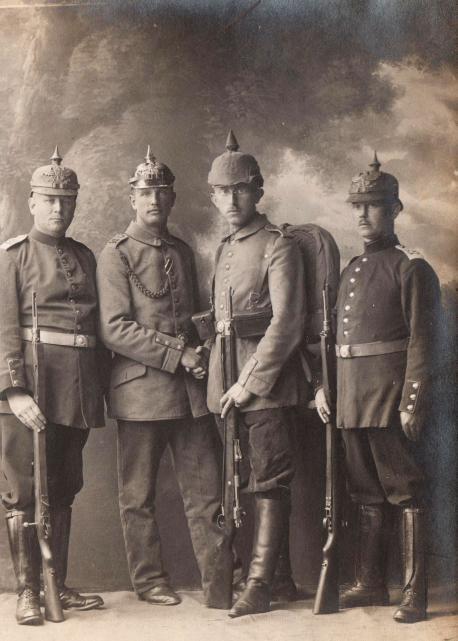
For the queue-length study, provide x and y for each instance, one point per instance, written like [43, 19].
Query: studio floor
[125, 618]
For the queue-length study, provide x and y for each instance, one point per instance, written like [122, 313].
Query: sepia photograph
[228, 290]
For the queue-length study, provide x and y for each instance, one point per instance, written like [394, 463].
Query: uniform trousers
[267, 459]
[64, 454]
[193, 447]
[381, 465]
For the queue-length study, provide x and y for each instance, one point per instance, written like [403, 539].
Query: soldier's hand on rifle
[411, 426]
[235, 395]
[322, 406]
[25, 409]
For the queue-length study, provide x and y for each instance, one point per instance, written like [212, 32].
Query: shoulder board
[12, 242]
[274, 228]
[116, 240]
[410, 253]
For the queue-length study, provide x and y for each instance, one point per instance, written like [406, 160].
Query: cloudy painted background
[310, 87]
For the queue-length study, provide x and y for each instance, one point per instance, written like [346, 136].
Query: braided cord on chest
[159, 293]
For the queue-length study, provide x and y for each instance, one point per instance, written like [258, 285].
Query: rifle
[230, 494]
[53, 607]
[327, 595]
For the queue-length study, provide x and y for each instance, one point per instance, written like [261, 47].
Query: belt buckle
[80, 340]
[345, 351]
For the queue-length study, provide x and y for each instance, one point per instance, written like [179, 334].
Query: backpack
[321, 258]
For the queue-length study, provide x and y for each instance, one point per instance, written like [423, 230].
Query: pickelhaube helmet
[151, 173]
[234, 167]
[374, 185]
[54, 179]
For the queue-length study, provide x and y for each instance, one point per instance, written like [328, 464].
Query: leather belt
[60, 338]
[372, 349]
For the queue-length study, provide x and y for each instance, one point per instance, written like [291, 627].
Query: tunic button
[266, 255]
[74, 286]
[72, 301]
[221, 306]
[410, 407]
[167, 342]
[347, 308]
[364, 260]
[345, 332]
[78, 326]
[77, 311]
[415, 385]
[227, 266]
[351, 294]
[357, 269]
[352, 280]
[413, 397]
[13, 371]
[60, 251]
[230, 254]
[345, 320]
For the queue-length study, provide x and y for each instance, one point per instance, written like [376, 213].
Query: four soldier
[61, 272]
[148, 291]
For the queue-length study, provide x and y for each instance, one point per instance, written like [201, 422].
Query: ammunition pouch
[204, 323]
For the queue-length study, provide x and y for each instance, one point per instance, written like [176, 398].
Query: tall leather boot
[26, 561]
[369, 587]
[61, 518]
[270, 518]
[414, 593]
[283, 586]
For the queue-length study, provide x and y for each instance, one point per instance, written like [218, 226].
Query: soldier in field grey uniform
[148, 293]
[264, 270]
[62, 273]
[387, 313]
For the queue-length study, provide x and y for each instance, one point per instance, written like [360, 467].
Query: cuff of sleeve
[409, 397]
[14, 377]
[250, 382]
[173, 353]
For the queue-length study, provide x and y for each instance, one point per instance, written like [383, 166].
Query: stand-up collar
[381, 243]
[45, 238]
[258, 222]
[143, 235]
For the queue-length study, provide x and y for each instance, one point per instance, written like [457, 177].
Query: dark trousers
[193, 448]
[267, 462]
[64, 453]
[381, 466]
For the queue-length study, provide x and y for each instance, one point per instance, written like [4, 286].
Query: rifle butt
[327, 594]
[218, 592]
[53, 606]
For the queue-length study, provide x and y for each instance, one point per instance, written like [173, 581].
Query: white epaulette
[410, 253]
[11, 242]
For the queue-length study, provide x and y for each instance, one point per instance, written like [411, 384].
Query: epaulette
[274, 228]
[12, 242]
[410, 253]
[117, 239]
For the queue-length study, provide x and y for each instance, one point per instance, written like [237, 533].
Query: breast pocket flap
[129, 374]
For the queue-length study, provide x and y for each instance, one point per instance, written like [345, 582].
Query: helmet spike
[56, 158]
[231, 142]
[375, 163]
[149, 158]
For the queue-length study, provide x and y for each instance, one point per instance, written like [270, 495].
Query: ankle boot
[26, 561]
[369, 587]
[270, 518]
[414, 593]
[70, 599]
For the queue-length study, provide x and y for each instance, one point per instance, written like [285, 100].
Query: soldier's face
[52, 214]
[373, 220]
[237, 203]
[153, 206]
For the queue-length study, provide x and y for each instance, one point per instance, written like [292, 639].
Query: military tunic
[386, 310]
[264, 269]
[62, 273]
[148, 293]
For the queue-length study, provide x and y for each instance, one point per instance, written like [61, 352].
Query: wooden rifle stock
[53, 607]
[327, 595]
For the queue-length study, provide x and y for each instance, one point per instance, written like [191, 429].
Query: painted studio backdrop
[310, 88]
